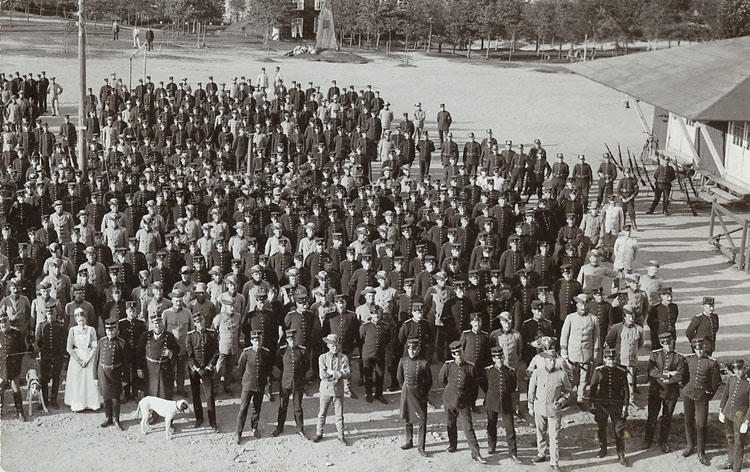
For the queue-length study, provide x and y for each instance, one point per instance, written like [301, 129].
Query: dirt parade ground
[569, 113]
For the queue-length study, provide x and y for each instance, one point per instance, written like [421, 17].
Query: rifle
[645, 170]
[630, 162]
[619, 167]
[684, 188]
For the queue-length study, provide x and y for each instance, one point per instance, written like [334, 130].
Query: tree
[462, 27]
[511, 15]
[734, 18]
[345, 16]
[267, 15]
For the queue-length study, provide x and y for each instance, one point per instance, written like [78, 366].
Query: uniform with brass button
[254, 366]
[202, 350]
[415, 377]
[703, 379]
[109, 359]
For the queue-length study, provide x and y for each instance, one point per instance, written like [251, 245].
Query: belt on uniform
[110, 366]
[158, 361]
[663, 182]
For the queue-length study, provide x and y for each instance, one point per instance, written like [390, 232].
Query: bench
[713, 187]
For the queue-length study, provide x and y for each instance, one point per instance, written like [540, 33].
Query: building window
[319, 5]
[689, 122]
[737, 129]
[297, 28]
[401, 3]
[298, 4]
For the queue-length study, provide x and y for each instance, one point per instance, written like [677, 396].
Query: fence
[723, 237]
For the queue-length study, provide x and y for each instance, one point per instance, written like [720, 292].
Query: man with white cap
[580, 344]
[549, 394]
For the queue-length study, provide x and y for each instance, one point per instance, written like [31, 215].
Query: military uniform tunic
[111, 354]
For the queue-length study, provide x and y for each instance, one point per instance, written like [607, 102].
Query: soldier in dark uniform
[627, 189]
[666, 370]
[110, 357]
[345, 325]
[458, 378]
[254, 366]
[415, 377]
[293, 362]
[560, 172]
[51, 339]
[610, 398]
[475, 343]
[202, 349]
[419, 328]
[375, 334]
[662, 317]
[131, 329]
[155, 351]
[704, 326]
[499, 381]
[703, 379]
[263, 319]
[302, 321]
[734, 412]
[607, 174]
[582, 177]
[663, 178]
[12, 349]
[533, 330]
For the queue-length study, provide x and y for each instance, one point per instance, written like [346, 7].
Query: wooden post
[82, 88]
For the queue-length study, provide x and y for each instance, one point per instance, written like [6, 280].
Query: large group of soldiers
[279, 232]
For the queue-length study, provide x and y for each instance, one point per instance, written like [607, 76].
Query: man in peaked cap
[499, 381]
[610, 397]
[111, 353]
[292, 360]
[458, 377]
[705, 325]
[704, 380]
[733, 412]
[202, 349]
[666, 371]
[255, 365]
[415, 377]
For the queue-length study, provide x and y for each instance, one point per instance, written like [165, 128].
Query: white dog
[166, 408]
[34, 389]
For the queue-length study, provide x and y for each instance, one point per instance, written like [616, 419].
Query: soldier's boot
[18, 401]
[45, 394]
[53, 394]
[108, 413]
[116, 414]
[408, 436]
[601, 434]
[649, 435]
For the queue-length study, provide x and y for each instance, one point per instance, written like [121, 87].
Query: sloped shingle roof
[703, 82]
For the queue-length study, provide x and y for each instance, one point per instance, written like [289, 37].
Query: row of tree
[460, 23]
[128, 11]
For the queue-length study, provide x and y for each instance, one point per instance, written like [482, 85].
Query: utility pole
[82, 98]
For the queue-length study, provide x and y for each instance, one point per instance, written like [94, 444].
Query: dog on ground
[34, 389]
[166, 408]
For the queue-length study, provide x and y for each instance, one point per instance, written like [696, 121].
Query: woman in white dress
[81, 391]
